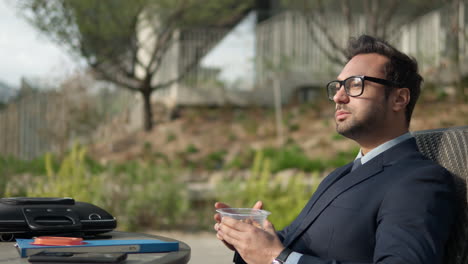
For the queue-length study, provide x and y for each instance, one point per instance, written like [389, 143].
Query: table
[9, 254]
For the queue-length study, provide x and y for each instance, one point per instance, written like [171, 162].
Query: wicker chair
[449, 148]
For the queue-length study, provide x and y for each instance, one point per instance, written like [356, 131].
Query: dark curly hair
[400, 69]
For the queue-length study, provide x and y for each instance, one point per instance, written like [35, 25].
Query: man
[391, 205]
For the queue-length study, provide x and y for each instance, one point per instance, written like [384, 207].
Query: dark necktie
[357, 164]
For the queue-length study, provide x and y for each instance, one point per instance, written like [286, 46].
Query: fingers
[268, 226]
[258, 205]
[227, 230]
[217, 217]
[221, 205]
[231, 247]
[218, 205]
[231, 222]
[217, 226]
[219, 234]
[236, 225]
[220, 237]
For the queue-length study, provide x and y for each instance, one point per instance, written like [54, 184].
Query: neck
[378, 138]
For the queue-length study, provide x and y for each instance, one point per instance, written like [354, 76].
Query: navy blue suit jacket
[396, 208]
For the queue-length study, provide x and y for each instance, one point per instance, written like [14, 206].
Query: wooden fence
[25, 126]
[285, 49]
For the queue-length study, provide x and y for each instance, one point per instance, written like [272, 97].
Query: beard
[367, 123]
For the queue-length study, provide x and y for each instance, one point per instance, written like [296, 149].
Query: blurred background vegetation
[193, 137]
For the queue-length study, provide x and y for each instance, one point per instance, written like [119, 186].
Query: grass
[148, 194]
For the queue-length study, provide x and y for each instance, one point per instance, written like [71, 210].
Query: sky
[235, 53]
[24, 52]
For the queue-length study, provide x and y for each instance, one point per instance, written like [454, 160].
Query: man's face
[358, 117]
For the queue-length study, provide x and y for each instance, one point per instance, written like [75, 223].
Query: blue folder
[26, 249]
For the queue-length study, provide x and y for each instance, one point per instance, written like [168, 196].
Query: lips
[341, 115]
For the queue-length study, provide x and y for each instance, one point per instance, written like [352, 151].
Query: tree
[379, 18]
[107, 35]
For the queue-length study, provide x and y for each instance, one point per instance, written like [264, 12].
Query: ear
[400, 99]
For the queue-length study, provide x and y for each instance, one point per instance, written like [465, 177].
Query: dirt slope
[199, 132]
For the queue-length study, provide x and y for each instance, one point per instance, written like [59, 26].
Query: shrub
[73, 178]
[139, 195]
[149, 196]
[294, 127]
[191, 149]
[342, 158]
[291, 157]
[241, 161]
[11, 166]
[337, 137]
[214, 160]
[284, 200]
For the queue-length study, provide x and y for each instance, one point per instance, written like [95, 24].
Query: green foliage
[250, 126]
[38, 169]
[11, 166]
[291, 157]
[294, 127]
[214, 160]
[139, 195]
[240, 116]
[149, 194]
[73, 178]
[442, 95]
[146, 196]
[343, 158]
[191, 149]
[235, 163]
[241, 161]
[171, 137]
[285, 198]
[232, 137]
[337, 137]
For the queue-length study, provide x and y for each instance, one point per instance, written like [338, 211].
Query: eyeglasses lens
[332, 89]
[353, 86]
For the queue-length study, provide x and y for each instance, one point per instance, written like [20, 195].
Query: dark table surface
[9, 254]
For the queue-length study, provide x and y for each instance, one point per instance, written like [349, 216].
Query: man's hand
[255, 245]
[217, 218]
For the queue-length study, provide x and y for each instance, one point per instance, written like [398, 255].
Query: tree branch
[104, 71]
[200, 51]
[311, 22]
[333, 58]
[346, 10]
[163, 48]
[387, 18]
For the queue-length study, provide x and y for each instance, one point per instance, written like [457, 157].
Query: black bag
[25, 217]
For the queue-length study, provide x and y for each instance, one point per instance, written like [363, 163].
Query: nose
[341, 97]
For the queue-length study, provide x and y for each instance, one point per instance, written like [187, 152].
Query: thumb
[268, 226]
[258, 205]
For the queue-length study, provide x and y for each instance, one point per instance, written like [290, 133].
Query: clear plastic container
[252, 216]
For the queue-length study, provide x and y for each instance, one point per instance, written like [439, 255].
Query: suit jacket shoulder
[396, 207]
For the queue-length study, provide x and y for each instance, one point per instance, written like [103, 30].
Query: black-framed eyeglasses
[354, 85]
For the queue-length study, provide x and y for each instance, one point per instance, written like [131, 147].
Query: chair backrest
[449, 148]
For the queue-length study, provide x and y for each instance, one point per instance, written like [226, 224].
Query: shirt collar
[383, 147]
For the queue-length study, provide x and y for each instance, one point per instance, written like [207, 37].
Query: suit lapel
[331, 191]
[327, 182]
[324, 185]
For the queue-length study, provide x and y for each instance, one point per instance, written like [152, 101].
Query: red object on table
[58, 241]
